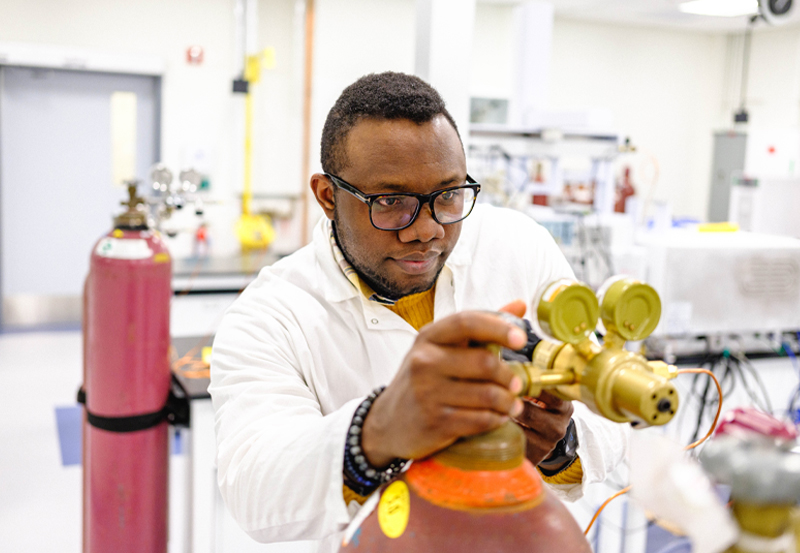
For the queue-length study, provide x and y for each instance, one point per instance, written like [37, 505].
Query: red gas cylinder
[126, 381]
[480, 495]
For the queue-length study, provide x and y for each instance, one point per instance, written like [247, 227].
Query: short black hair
[386, 95]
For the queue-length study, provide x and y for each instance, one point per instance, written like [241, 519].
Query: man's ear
[323, 192]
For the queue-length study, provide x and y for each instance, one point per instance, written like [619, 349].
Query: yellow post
[247, 192]
[252, 74]
[255, 232]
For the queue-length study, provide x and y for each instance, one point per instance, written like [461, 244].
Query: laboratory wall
[354, 38]
[666, 89]
[773, 76]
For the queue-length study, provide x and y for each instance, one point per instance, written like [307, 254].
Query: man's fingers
[481, 395]
[467, 422]
[474, 326]
[516, 308]
[553, 403]
[473, 364]
[549, 425]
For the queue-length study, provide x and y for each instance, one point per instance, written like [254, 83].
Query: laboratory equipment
[719, 283]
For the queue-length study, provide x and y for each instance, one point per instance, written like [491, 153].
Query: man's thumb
[516, 308]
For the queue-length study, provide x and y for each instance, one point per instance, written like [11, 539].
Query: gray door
[728, 161]
[56, 191]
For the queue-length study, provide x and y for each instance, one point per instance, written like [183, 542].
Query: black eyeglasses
[399, 211]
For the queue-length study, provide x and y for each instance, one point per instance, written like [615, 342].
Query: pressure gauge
[190, 180]
[630, 308]
[161, 177]
[567, 311]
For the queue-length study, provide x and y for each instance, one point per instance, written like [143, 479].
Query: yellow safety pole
[254, 231]
[247, 192]
[251, 75]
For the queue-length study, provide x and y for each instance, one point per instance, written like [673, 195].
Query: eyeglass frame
[422, 199]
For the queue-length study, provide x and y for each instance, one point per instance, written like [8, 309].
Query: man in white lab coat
[400, 278]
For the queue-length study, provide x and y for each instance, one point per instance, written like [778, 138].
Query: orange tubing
[719, 406]
[623, 491]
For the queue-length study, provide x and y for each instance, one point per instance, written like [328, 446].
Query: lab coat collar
[337, 288]
[333, 282]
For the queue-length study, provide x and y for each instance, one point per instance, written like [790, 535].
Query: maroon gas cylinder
[127, 382]
[470, 498]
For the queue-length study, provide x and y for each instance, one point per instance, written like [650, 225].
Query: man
[401, 277]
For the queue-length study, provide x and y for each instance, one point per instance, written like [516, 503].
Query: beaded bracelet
[359, 474]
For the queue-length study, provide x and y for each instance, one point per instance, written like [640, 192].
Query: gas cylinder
[479, 495]
[126, 384]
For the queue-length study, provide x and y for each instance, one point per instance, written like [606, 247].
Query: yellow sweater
[417, 309]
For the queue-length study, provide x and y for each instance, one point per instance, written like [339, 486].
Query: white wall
[664, 89]
[195, 104]
[773, 86]
[492, 52]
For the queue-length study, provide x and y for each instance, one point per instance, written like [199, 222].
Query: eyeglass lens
[397, 210]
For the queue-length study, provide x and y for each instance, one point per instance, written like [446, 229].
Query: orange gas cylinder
[479, 495]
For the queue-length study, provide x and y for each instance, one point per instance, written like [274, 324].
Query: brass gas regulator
[617, 384]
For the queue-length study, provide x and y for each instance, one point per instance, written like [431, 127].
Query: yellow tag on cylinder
[393, 509]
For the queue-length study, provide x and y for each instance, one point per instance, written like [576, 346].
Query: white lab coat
[301, 348]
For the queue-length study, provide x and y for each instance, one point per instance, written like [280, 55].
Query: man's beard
[376, 281]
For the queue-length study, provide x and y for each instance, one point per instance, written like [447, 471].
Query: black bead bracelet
[360, 475]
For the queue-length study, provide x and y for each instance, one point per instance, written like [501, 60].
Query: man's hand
[445, 389]
[545, 421]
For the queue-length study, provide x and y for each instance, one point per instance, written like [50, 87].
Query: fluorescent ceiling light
[720, 8]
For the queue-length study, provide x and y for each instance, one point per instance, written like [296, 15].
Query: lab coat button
[374, 321]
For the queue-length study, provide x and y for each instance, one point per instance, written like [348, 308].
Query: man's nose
[424, 229]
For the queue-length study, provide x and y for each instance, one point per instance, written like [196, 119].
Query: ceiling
[652, 13]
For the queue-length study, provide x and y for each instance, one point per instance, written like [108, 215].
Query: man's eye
[389, 201]
[450, 196]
